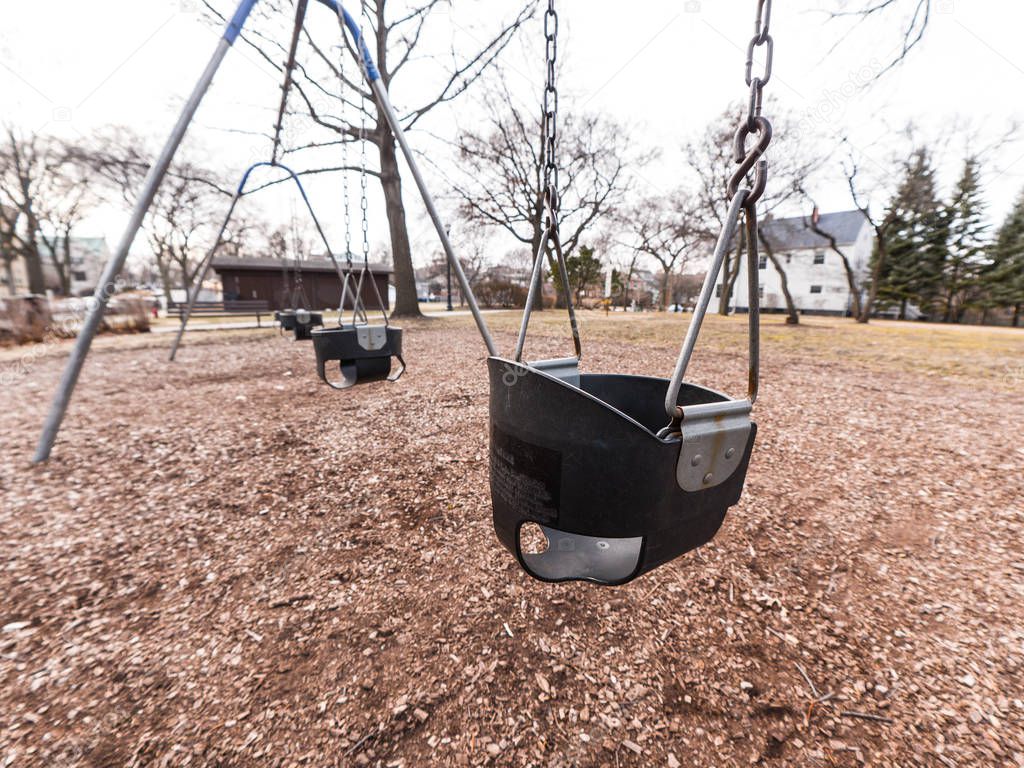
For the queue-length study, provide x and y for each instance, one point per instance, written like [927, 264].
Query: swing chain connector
[755, 123]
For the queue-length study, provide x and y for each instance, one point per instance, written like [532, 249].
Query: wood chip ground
[228, 564]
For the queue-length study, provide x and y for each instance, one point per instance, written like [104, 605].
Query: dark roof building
[815, 273]
[285, 283]
[795, 233]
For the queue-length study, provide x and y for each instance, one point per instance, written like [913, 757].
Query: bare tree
[768, 246]
[395, 34]
[910, 17]
[8, 246]
[814, 224]
[881, 226]
[501, 184]
[182, 222]
[25, 166]
[792, 163]
[628, 268]
[66, 201]
[44, 195]
[665, 231]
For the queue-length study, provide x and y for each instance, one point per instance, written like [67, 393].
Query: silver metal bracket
[565, 368]
[372, 337]
[714, 440]
[575, 556]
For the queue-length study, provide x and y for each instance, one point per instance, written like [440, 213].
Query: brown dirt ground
[227, 564]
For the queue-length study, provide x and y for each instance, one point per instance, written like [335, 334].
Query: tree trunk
[406, 301]
[729, 283]
[34, 265]
[628, 283]
[953, 288]
[723, 296]
[64, 269]
[851, 277]
[1016, 315]
[538, 232]
[165, 278]
[903, 310]
[9, 275]
[876, 274]
[792, 316]
[664, 290]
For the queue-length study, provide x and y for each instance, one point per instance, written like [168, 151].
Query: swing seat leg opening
[575, 556]
[362, 371]
[362, 355]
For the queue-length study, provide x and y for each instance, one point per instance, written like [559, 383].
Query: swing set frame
[107, 282]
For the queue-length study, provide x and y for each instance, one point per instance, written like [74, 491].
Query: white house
[816, 276]
[88, 256]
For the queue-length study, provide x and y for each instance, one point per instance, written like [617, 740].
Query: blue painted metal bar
[208, 259]
[372, 74]
[234, 27]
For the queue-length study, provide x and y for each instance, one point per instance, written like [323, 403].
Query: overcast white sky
[663, 67]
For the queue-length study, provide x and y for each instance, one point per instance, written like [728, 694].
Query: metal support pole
[701, 308]
[396, 128]
[106, 285]
[448, 264]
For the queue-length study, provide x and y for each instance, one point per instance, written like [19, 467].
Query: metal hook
[748, 159]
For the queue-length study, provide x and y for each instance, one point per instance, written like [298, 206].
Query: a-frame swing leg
[106, 285]
[204, 269]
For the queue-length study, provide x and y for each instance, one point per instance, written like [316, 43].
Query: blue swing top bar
[234, 29]
[267, 164]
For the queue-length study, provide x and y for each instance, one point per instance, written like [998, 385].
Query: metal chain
[550, 127]
[344, 159]
[755, 122]
[362, 164]
[299, 290]
[362, 190]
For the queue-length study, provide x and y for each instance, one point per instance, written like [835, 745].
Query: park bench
[228, 308]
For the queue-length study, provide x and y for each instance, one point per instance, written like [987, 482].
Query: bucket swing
[623, 473]
[362, 350]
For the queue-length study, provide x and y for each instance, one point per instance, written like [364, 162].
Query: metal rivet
[707, 478]
[696, 460]
[730, 453]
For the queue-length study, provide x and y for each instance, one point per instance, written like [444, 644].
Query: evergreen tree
[966, 257]
[917, 240]
[584, 270]
[1004, 278]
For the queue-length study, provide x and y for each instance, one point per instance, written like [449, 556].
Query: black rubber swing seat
[580, 456]
[363, 353]
[300, 322]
